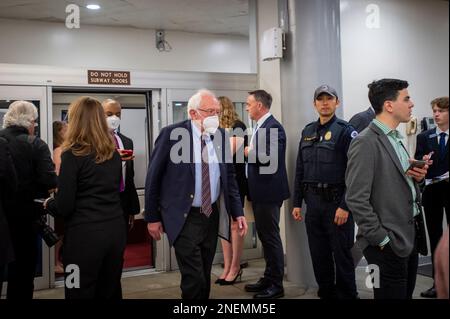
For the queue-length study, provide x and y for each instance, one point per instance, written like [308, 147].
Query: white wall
[269, 76]
[412, 43]
[42, 43]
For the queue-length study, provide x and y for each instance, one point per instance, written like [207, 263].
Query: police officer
[320, 181]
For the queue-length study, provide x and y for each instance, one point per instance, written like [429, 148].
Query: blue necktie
[442, 145]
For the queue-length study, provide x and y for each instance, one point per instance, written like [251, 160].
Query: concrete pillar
[312, 57]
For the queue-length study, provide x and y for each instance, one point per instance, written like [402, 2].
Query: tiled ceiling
[203, 16]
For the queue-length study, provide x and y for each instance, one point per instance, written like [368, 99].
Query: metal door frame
[36, 93]
[153, 102]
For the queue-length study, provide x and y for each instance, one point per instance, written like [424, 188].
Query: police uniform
[320, 181]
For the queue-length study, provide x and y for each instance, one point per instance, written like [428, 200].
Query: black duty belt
[324, 186]
[328, 192]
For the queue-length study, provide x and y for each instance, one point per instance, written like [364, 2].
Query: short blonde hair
[88, 131]
[20, 113]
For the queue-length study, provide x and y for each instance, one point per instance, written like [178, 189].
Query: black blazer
[129, 198]
[170, 186]
[8, 185]
[87, 192]
[427, 142]
[362, 120]
[35, 175]
[269, 187]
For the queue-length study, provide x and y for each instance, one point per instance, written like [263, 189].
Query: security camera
[160, 41]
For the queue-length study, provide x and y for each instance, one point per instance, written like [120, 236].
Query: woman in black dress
[232, 252]
[88, 200]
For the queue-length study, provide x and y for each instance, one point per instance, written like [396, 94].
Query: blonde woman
[88, 199]
[59, 133]
[232, 252]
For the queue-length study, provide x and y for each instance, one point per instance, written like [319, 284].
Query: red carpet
[138, 255]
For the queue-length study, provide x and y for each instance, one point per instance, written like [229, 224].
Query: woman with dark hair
[232, 251]
[88, 199]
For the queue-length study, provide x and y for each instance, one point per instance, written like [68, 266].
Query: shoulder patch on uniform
[354, 134]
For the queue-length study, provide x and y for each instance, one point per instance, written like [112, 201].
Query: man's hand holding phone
[126, 155]
[418, 168]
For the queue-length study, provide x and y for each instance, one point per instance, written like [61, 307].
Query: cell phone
[416, 163]
[127, 153]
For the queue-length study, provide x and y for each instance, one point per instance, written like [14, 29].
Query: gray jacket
[378, 194]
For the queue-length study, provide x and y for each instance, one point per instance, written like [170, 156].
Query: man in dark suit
[128, 195]
[383, 193]
[361, 120]
[189, 171]
[435, 195]
[268, 188]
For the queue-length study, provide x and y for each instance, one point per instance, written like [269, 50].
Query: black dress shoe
[430, 293]
[270, 293]
[259, 286]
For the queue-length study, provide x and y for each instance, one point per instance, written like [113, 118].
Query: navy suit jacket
[170, 186]
[362, 120]
[268, 187]
[427, 142]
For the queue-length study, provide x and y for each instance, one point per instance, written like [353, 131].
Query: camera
[47, 233]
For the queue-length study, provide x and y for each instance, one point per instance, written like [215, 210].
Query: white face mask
[210, 124]
[113, 122]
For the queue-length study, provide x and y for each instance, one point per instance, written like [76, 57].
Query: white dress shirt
[438, 132]
[258, 125]
[119, 141]
[214, 170]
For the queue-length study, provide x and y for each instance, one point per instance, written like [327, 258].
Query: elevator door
[38, 96]
[139, 252]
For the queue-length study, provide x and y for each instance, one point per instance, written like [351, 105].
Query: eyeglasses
[210, 111]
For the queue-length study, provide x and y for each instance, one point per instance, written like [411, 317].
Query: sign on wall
[109, 77]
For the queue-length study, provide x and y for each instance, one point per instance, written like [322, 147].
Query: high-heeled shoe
[232, 282]
[219, 281]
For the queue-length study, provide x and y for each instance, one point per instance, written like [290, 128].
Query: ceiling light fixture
[93, 6]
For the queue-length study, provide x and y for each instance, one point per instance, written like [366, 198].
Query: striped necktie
[206, 187]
